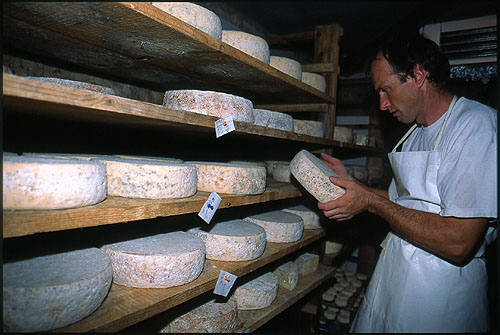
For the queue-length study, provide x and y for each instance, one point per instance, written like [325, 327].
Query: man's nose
[384, 103]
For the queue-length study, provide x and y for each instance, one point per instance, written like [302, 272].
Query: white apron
[412, 290]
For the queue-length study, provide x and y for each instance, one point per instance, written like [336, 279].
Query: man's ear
[419, 75]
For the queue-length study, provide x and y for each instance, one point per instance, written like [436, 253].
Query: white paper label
[224, 126]
[224, 283]
[208, 210]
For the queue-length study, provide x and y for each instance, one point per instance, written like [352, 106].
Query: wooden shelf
[116, 210]
[249, 321]
[140, 43]
[125, 306]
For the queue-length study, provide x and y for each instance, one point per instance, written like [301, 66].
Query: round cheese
[314, 176]
[252, 45]
[329, 314]
[210, 317]
[328, 296]
[160, 261]
[148, 179]
[195, 15]
[343, 134]
[257, 293]
[343, 318]
[152, 158]
[271, 164]
[286, 65]
[309, 127]
[281, 172]
[49, 292]
[77, 84]
[310, 218]
[288, 275]
[233, 240]
[34, 183]
[279, 226]
[83, 157]
[271, 119]
[361, 276]
[315, 80]
[210, 103]
[255, 163]
[230, 178]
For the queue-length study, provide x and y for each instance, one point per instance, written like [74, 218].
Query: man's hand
[335, 165]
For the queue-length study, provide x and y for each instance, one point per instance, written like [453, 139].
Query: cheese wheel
[252, 45]
[230, 178]
[288, 275]
[307, 263]
[148, 179]
[271, 119]
[334, 309]
[360, 139]
[34, 183]
[286, 65]
[195, 15]
[210, 317]
[279, 226]
[314, 176]
[257, 293]
[309, 127]
[361, 276]
[329, 314]
[332, 248]
[49, 292]
[255, 163]
[160, 261]
[233, 240]
[152, 158]
[343, 134]
[77, 84]
[281, 172]
[310, 218]
[83, 157]
[271, 164]
[210, 103]
[315, 80]
[328, 296]
[340, 301]
[342, 318]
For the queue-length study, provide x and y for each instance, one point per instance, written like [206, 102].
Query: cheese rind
[281, 227]
[77, 84]
[233, 240]
[252, 45]
[343, 134]
[257, 293]
[315, 80]
[309, 127]
[210, 103]
[160, 261]
[82, 157]
[32, 183]
[149, 179]
[195, 15]
[314, 175]
[311, 219]
[271, 164]
[152, 158]
[230, 178]
[281, 172]
[271, 119]
[288, 275]
[287, 65]
[49, 292]
[307, 263]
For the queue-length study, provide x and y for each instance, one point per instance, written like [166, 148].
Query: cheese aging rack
[140, 44]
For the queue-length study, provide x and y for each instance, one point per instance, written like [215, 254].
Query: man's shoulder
[470, 111]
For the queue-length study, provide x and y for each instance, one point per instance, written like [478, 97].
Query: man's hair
[405, 51]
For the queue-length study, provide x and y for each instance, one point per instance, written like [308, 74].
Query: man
[430, 275]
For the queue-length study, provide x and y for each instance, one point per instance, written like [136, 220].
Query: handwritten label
[224, 283]
[208, 210]
[224, 126]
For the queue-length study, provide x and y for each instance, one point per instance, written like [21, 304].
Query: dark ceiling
[363, 22]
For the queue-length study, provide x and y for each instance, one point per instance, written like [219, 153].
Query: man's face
[396, 97]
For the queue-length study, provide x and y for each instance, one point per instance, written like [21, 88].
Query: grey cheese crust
[281, 227]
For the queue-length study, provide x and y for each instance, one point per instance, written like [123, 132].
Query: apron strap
[404, 137]
[448, 112]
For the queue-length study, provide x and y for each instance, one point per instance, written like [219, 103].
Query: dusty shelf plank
[249, 321]
[125, 306]
[138, 42]
[117, 210]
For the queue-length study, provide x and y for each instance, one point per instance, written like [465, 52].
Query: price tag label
[208, 210]
[224, 126]
[224, 283]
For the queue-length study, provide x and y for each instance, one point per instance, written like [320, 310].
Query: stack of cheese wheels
[152, 158]
[311, 219]
[257, 293]
[281, 172]
[252, 45]
[210, 317]
[271, 119]
[287, 65]
[149, 179]
[195, 15]
[343, 134]
[315, 80]
[288, 275]
[49, 292]
[77, 84]
[314, 176]
[271, 164]
[233, 240]
[279, 226]
[162, 260]
[34, 183]
[230, 178]
[309, 127]
[210, 103]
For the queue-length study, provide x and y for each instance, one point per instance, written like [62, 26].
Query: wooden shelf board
[125, 306]
[116, 210]
[251, 320]
[138, 42]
